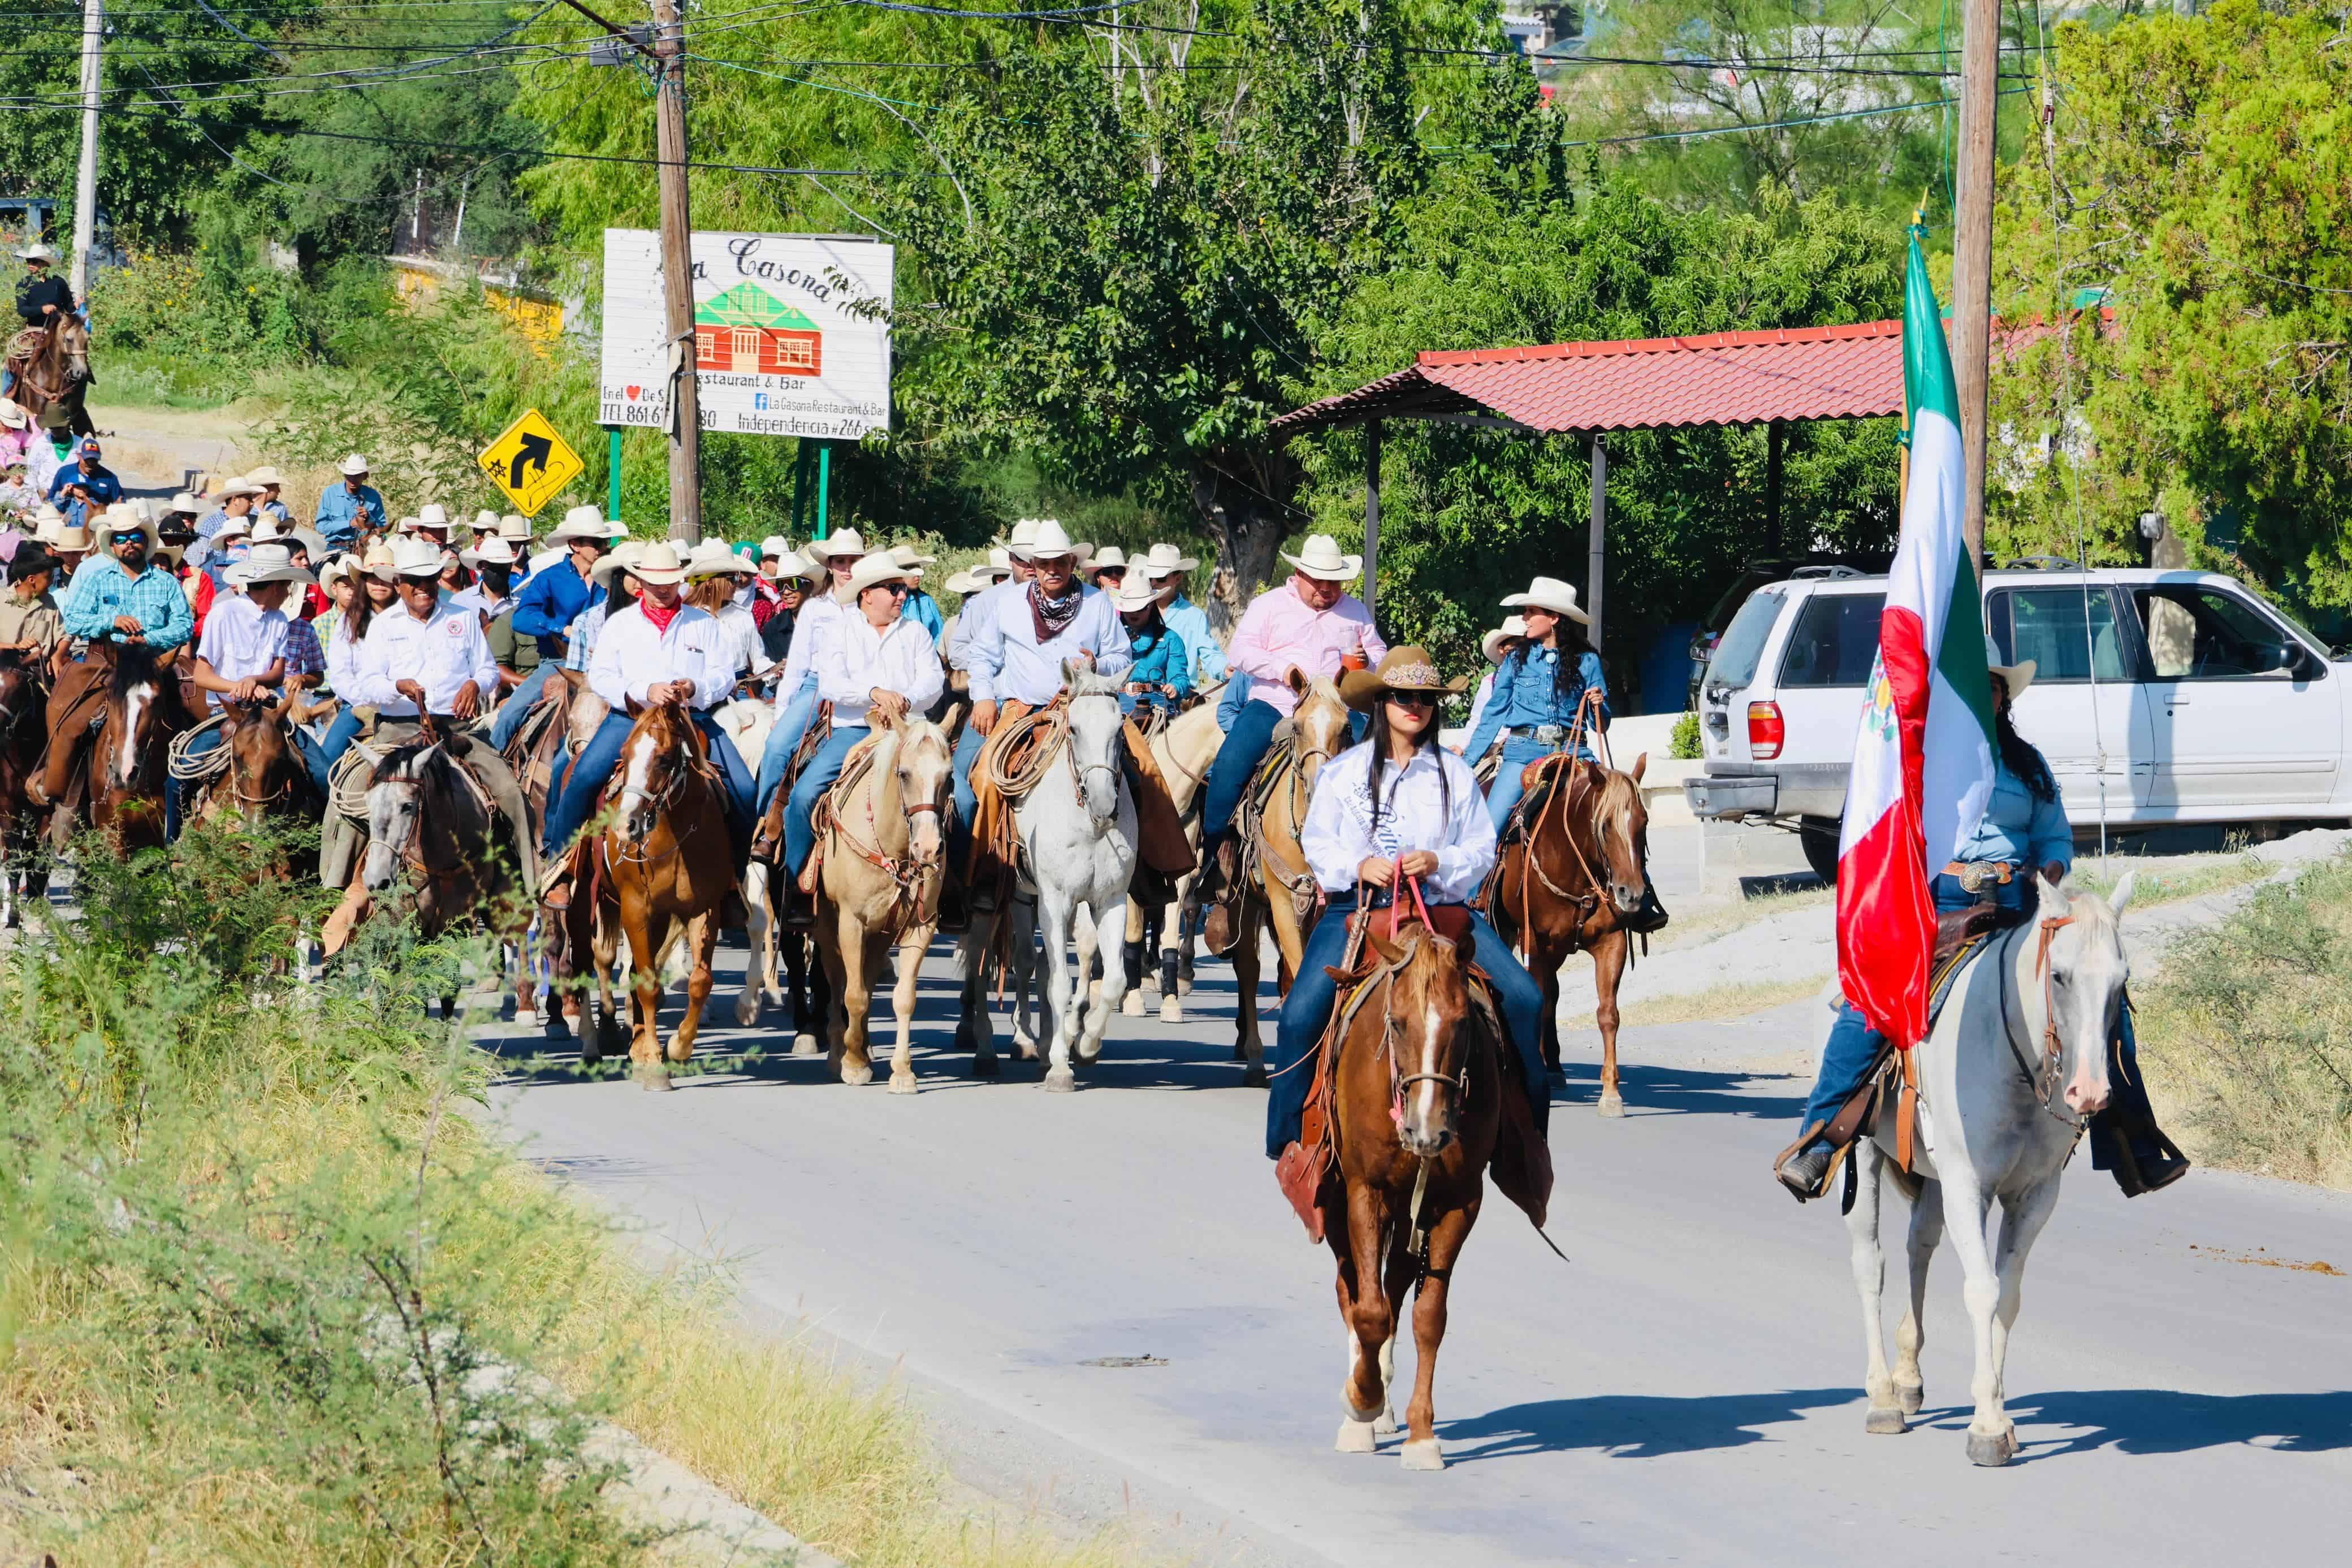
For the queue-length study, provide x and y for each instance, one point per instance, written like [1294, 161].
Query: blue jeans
[602, 755]
[967, 751]
[517, 707]
[178, 792]
[1248, 740]
[817, 778]
[1235, 698]
[1307, 1012]
[1517, 752]
[323, 754]
[799, 712]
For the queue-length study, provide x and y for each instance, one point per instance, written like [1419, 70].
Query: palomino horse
[52, 366]
[24, 862]
[1076, 826]
[664, 869]
[1184, 747]
[129, 766]
[1281, 893]
[1573, 881]
[877, 885]
[2016, 1065]
[1416, 1110]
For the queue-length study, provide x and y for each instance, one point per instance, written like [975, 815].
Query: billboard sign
[785, 342]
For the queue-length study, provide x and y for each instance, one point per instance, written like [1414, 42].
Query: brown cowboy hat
[1405, 669]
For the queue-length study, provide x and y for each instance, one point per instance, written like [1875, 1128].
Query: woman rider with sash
[2025, 830]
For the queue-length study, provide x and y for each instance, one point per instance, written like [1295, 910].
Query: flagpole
[1972, 256]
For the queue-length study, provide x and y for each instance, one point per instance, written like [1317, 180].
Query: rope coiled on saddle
[1018, 755]
[187, 766]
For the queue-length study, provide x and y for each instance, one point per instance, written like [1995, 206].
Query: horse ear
[636, 709]
[1070, 670]
[168, 660]
[1296, 680]
[576, 679]
[2050, 889]
[1640, 763]
[2122, 895]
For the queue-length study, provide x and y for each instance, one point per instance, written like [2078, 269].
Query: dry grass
[2173, 881]
[1706, 923]
[1738, 1000]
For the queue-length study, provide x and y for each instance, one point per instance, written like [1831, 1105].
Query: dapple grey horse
[2053, 986]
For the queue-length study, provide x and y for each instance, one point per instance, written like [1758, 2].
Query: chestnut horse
[266, 777]
[129, 768]
[660, 873]
[23, 701]
[1574, 881]
[52, 366]
[1416, 1097]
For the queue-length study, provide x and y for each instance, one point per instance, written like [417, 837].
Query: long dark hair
[1571, 643]
[2018, 754]
[1427, 741]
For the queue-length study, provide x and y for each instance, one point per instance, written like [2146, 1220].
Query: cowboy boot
[1217, 877]
[1803, 1169]
[2126, 1141]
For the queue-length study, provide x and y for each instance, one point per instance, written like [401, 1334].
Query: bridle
[905, 872]
[657, 804]
[2047, 1084]
[410, 850]
[1080, 771]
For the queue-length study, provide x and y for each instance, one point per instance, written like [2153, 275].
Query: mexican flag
[1923, 756]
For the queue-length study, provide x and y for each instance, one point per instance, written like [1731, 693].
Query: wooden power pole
[1972, 251]
[93, 34]
[677, 277]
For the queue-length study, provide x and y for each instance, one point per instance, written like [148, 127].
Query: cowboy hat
[267, 563]
[581, 523]
[1109, 556]
[491, 550]
[70, 539]
[793, 565]
[882, 566]
[624, 558]
[658, 562]
[515, 528]
[270, 528]
[265, 476]
[40, 253]
[121, 519]
[908, 555]
[185, 502]
[1050, 540]
[2018, 676]
[775, 545]
[1549, 593]
[15, 415]
[981, 574]
[846, 542]
[1024, 534]
[416, 557]
[46, 521]
[711, 558]
[1132, 595]
[342, 568]
[1491, 645]
[352, 467]
[1165, 561]
[432, 514]
[1319, 558]
[380, 563]
[238, 485]
[486, 523]
[310, 539]
[1405, 669]
[233, 529]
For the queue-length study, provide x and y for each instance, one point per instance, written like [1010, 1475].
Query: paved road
[1687, 1389]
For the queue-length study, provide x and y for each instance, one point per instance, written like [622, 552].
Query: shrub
[1684, 747]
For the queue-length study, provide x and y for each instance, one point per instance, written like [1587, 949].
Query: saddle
[1306, 892]
[531, 752]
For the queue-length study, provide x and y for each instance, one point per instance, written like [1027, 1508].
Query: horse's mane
[133, 663]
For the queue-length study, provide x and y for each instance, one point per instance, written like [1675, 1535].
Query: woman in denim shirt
[1162, 675]
[1537, 689]
[2025, 830]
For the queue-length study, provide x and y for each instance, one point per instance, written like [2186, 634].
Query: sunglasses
[895, 589]
[1413, 699]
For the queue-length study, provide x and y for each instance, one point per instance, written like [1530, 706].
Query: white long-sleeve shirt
[1007, 662]
[631, 656]
[1417, 812]
[440, 653]
[743, 646]
[343, 660]
[817, 615]
[900, 658]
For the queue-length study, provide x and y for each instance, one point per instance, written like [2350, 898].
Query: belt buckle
[1550, 733]
[1973, 877]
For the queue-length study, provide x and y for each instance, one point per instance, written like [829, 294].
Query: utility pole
[1972, 253]
[677, 276]
[93, 31]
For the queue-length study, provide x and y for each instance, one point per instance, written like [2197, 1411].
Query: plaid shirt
[303, 655]
[101, 589]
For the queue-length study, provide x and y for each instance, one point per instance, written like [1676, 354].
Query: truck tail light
[1765, 731]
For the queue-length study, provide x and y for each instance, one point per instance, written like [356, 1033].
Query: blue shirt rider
[1538, 688]
[2025, 830]
[349, 508]
[1162, 675]
[1165, 567]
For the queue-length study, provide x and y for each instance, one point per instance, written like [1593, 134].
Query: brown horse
[1416, 1096]
[660, 873]
[24, 864]
[1575, 881]
[1280, 892]
[266, 777]
[129, 768]
[51, 366]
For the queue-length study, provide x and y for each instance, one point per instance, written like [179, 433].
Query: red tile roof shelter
[1647, 383]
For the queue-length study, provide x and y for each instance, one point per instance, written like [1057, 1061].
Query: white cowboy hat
[659, 563]
[1319, 558]
[380, 563]
[416, 557]
[794, 565]
[1165, 561]
[15, 417]
[1109, 555]
[270, 563]
[1549, 593]
[352, 467]
[46, 521]
[1491, 645]
[268, 527]
[486, 523]
[882, 566]
[37, 253]
[68, 539]
[846, 542]
[2018, 676]
[1050, 540]
[310, 539]
[491, 550]
[237, 484]
[233, 529]
[581, 523]
[907, 555]
[775, 545]
[265, 476]
[123, 520]
[515, 528]
[336, 571]
[432, 514]
[624, 558]
[1024, 534]
[711, 558]
[1133, 594]
[980, 574]
[185, 502]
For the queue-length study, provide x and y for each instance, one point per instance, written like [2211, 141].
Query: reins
[2046, 1086]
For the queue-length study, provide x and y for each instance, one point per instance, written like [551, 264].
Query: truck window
[2196, 633]
[2068, 632]
[1835, 641]
[1742, 648]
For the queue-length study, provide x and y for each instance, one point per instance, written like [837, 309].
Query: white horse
[1076, 827]
[2014, 1066]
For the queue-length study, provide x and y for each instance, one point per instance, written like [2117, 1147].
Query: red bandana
[661, 617]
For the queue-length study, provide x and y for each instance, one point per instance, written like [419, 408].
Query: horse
[426, 816]
[24, 864]
[129, 766]
[1574, 880]
[265, 776]
[2015, 1066]
[52, 366]
[1281, 892]
[882, 862]
[1077, 831]
[1416, 1088]
[660, 872]
[1184, 747]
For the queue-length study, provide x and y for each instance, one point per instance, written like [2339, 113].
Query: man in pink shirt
[1310, 624]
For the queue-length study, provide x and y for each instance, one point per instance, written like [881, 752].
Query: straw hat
[1549, 593]
[267, 563]
[46, 521]
[1165, 561]
[712, 557]
[581, 523]
[1050, 540]
[1491, 645]
[265, 476]
[69, 538]
[882, 566]
[624, 558]
[1405, 669]
[658, 562]
[1319, 558]
[515, 528]
[380, 562]
[237, 484]
[342, 568]
[491, 550]
[846, 542]
[983, 574]
[119, 519]
[416, 557]
[185, 502]
[352, 467]
[2018, 676]
[37, 253]
[1109, 556]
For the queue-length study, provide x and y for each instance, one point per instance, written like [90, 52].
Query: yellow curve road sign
[531, 462]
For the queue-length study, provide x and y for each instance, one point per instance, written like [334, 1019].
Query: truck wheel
[1820, 837]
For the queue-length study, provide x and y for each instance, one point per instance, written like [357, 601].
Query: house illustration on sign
[745, 330]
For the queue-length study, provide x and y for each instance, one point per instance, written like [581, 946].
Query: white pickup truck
[2159, 697]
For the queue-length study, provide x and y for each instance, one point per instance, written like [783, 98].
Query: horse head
[1319, 724]
[20, 694]
[134, 718]
[1429, 1034]
[923, 766]
[2079, 967]
[1095, 726]
[663, 751]
[395, 806]
[263, 768]
[1621, 830]
[69, 346]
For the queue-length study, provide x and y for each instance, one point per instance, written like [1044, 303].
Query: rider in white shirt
[241, 657]
[796, 693]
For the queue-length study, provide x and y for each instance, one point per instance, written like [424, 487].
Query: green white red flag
[1923, 757]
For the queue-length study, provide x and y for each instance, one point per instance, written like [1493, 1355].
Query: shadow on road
[1630, 1426]
[1683, 1091]
[2163, 1421]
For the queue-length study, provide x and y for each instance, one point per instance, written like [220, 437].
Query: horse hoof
[856, 1074]
[1884, 1423]
[1027, 1050]
[984, 1067]
[1171, 1009]
[553, 1027]
[1384, 1425]
[1910, 1397]
[1254, 1078]
[1184, 987]
[746, 1009]
[1612, 1104]
[1355, 1438]
[1991, 1448]
[806, 1045]
[1428, 1454]
[902, 1083]
[1061, 1080]
[653, 1076]
[1131, 1004]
